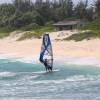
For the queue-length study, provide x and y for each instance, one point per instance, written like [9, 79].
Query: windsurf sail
[46, 50]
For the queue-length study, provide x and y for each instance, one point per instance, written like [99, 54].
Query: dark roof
[67, 22]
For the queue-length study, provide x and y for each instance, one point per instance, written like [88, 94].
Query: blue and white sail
[46, 50]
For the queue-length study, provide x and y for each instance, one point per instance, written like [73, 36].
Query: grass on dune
[28, 35]
[5, 31]
[83, 35]
[36, 33]
[29, 32]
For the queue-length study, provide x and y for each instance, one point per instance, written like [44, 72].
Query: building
[68, 24]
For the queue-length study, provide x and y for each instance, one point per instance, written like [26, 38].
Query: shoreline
[68, 52]
[91, 61]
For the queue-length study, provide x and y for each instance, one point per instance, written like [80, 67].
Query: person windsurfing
[46, 54]
[47, 67]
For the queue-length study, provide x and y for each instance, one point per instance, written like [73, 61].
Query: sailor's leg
[46, 68]
[51, 69]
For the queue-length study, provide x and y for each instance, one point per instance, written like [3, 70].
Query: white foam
[76, 78]
[29, 59]
[58, 60]
[34, 76]
[6, 74]
[97, 98]
[43, 72]
[12, 58]
[79, 78]
[78, 60]
[30, 77]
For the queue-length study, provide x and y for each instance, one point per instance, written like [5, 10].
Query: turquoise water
[26, 81]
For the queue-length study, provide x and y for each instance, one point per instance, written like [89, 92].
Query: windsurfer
[47, 67]
[46, 54]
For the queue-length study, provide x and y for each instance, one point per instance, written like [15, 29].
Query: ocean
[28, 81]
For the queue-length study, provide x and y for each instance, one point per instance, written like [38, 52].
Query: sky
[75, 1]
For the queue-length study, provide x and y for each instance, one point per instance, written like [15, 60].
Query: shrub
[28, 35]
[49, 23]
[94, 25]
[82, 36]
[30, 27]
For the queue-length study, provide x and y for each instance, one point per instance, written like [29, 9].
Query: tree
[7, 10]
[38, 3]
[22, 5]
[25, 12]
[62, 9]
[45, 11]
[69, 8]
[89, 14]
[97, 6]
[81, 10]
[14, 19]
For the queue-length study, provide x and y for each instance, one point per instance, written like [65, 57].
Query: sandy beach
[69, 51]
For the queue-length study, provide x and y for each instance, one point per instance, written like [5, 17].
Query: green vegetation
[36, 33]
[43, 29]
[3, 35]
[94, 32]
[94, 25]
[21, 13]
[28, 35]
[5, 31]
[29, 31]
[81, 36]
[35, 17]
